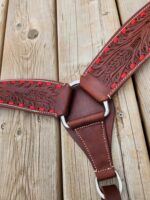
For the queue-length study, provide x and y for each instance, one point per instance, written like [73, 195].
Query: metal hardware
[105, 103]
[106, 106]
[100, 192]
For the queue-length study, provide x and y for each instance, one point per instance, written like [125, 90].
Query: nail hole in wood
[19, 132]
[19, 25]
[121, 114]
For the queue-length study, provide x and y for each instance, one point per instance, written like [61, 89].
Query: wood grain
[3, 18]
[29, 143]
[142, 80]
[83, 28]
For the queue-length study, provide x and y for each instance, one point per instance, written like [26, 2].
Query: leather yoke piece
[92, 131]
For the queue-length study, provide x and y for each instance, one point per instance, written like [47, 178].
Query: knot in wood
[32, 34]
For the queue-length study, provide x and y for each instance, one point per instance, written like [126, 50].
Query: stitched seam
[99, 171]
[106, 145]
[87, 149]
[85, 146]
[117, 34]
[35, 80]
[27, 109]
[86, 126]
[127, 76]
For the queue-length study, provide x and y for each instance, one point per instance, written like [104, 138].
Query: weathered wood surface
[3, 17]
[30, 146]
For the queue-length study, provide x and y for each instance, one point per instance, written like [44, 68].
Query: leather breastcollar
[86, 107]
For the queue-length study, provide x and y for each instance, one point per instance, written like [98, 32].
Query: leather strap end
[85, 121]
[111, 192]
[94, 87]
[92, 138]
[63, 100]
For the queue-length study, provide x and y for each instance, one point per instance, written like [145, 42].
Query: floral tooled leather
[123, 54]
[44, 97]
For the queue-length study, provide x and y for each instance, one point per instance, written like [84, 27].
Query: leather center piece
[84, 109]
[92, 131]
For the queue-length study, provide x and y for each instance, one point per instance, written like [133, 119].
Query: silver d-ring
[105, 103]
[100, 192]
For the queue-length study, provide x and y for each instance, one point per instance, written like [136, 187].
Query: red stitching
[98, 60]
[142, 14]
[123, 75]
[31, 82]
[141, 57]
[90, 69]
[31, 107]
[115, 40]
[41, 109]
[48, 83]
[21, 81]
[132, 66]
[11, 102]
[51, 111]
[128, 75]
[20, 105]
[133, 21]
[58, 86]
[13, 82]
[106, 49]
[123, 30]
[114, 85]
[39, 83]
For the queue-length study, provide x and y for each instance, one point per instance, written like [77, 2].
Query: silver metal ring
[105, 103]
[100, 192]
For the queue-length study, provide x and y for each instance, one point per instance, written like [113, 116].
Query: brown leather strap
[111, 192]
[40, 96]
[94, 142]
[92, 131]
[120, 58]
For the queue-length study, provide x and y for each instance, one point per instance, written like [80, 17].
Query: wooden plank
[29, 143]
[142, 80]
[83, 28]
[3, 17]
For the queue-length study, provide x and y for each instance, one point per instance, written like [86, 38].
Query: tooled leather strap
[120, 58]
[39, 96]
